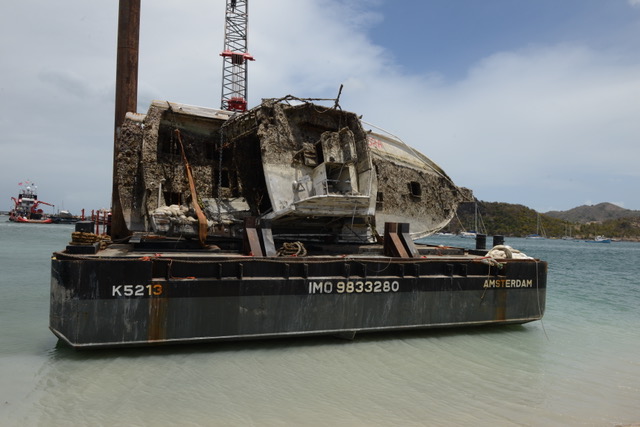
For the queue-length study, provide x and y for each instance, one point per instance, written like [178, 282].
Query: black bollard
[498, 240]
[84, 226]
[481, 241]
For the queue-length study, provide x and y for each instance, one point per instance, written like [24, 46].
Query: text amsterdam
[508, 283]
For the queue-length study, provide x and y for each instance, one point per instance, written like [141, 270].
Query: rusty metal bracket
[251, 238]
[258, 239]
[407, 242]
[397, 241]
[266, 239]
[393, 246]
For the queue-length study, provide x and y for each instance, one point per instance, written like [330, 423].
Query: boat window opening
[227, 179]
[224, 178]
[211, 145]
[210, 150]
[415, 189]
[338, 179]
[167, 148]
[319, 153]
[248, 170]
[171, 198]
[201, 149]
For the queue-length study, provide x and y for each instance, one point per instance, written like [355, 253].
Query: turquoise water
[579, 366]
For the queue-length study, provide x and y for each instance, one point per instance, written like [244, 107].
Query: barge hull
[110, 302]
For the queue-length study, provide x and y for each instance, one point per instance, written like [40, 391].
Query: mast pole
[126, 94]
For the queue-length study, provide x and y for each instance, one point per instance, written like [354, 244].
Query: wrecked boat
[311, 172]
[288, 219]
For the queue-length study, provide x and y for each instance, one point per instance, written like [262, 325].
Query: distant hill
[506, 219]
[599, 213]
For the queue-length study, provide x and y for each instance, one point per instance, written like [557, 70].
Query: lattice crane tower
[235, 56]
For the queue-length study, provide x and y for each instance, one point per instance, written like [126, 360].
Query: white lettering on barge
[353, 286]
[508, 283]
[136, 290]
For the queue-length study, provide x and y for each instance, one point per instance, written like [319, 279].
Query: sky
[533, 102]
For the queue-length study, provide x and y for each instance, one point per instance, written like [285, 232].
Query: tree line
[494, 218]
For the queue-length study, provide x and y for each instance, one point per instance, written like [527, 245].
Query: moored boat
[540, 233]
[26, 206]
[478, 226]
[599, 239]
[64, 217]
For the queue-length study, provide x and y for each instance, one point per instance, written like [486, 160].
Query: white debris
[173, 210]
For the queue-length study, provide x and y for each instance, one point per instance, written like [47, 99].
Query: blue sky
[449, 36]
[524, 101]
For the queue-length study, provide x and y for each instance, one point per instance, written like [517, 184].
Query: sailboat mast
[475, 218]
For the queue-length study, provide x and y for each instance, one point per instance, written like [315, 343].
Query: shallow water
[579, 366]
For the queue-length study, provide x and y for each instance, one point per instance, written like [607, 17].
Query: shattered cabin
[311, 173]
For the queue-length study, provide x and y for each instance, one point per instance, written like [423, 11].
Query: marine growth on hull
[310, 172]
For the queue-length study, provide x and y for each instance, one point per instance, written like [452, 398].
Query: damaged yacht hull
[270, 224]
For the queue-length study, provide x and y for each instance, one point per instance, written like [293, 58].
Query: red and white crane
[235, 56]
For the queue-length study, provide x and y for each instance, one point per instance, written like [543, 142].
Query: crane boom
[235, 56]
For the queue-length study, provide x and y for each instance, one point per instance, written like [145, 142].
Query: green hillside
[511, 220]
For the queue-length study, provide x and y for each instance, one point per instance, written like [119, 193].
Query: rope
[539, 306]
[292, 249]
[82, 238]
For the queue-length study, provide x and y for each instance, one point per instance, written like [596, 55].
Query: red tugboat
[25, 207]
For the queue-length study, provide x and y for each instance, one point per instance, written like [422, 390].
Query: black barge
[140, 294]
[288, 219]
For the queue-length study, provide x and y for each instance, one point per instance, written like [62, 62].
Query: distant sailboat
[567, 233]
[474, 233]
[540, 233]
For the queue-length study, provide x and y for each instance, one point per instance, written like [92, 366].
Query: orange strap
[202, 219]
